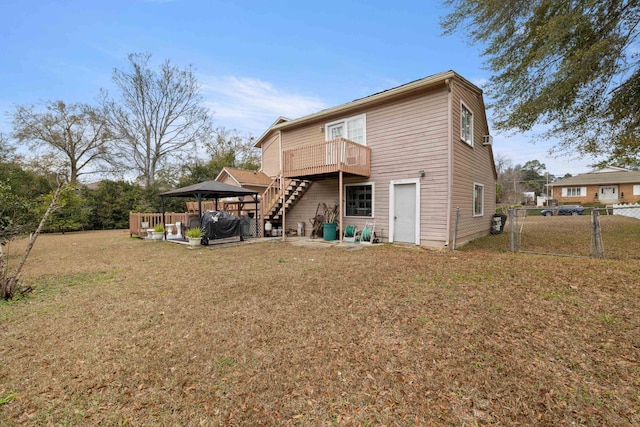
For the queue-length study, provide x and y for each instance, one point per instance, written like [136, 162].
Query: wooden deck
[136, 220]
[325, 158]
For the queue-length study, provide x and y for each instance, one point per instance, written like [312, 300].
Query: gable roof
[92, 185]
[385, 95]
[245, 177]
[603, 176]
[279, 120]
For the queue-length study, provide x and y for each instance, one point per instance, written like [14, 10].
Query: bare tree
[158, 114]
[510, 186]
[6, 150]
[76, 133]
[233, 147]
[502, 162]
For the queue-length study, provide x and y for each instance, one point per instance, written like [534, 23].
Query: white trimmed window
[478, 199]
[352, 128]
[574, 191]
[636, 189]
[359, 200]
[466, 125]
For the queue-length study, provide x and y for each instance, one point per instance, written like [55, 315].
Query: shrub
[194, 233]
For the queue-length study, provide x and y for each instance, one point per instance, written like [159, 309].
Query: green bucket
[329, 231]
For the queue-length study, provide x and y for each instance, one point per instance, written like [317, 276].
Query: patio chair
[367, 234]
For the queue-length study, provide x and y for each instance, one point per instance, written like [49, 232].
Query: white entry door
[609, 193]
[405, 211]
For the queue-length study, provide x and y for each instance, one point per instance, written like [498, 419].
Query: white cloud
[252, 105]
[481, 82]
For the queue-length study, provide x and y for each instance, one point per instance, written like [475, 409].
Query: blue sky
[256, 60]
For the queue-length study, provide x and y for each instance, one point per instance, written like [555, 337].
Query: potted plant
[158, 232]
[194, 235]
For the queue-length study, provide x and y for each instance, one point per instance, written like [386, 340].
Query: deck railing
[332, 156]
[207, 205]
[138, 219]
[272, 195]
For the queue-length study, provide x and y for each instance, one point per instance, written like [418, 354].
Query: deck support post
[284, 226]
[340, 203]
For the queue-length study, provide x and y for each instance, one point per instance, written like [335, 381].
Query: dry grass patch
[124, 331]
[568, 235]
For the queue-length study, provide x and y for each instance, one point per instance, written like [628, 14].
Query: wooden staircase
[274, 204]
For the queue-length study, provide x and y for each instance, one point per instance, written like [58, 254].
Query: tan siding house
[406, 158]
[251, 180]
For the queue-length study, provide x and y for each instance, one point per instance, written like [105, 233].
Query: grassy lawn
[122, 331]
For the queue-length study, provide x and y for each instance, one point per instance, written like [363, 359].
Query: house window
[574, 191]
[478, 199]
[466, 125]
[352, 128]
[359, 200]
[636, 190]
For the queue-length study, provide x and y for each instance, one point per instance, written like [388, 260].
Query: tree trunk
[8, 283]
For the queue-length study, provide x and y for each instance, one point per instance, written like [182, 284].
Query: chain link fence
[611, 232]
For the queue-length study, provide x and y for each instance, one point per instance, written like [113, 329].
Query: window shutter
[564, 191]
[583, 191]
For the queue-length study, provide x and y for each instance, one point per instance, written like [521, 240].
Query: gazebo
[210, 190]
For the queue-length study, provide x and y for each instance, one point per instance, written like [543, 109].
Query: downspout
[449, 84]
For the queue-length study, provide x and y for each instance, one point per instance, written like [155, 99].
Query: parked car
[563, 210]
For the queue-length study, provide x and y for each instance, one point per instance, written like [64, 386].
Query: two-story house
[416, 159]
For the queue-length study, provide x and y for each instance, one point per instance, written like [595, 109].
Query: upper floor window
[352, 128]
[466, 125]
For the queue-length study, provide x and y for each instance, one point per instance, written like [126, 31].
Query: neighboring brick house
[604, 186]
[406, 158]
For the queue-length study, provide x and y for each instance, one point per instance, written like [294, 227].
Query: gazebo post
[255, 199]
